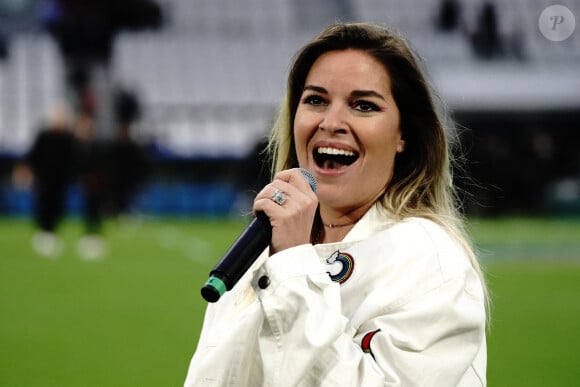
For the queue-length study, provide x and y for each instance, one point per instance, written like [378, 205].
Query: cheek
[300, 139]
[384, 147]
[302, 121]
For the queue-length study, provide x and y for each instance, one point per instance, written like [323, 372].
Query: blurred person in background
[85, 32]
[486, 39]
[49, 167]
[370, 281]
[94, 184]
[449, 17]
[3, 47]
[111, 170]
[127, 164]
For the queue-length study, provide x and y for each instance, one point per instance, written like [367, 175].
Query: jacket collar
[373, 221]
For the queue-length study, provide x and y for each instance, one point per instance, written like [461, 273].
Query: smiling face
[346, 130]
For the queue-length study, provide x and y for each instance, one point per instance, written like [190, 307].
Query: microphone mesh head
[311, 180]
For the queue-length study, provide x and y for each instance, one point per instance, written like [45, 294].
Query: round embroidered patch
[365, 344]
[341, 266]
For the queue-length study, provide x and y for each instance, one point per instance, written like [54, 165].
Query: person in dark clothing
[126, 162]
[52, 163]
[94, 183]
[3, 48]
[110, 172]
[486, 41]
[85, 33]
[449, 16]
[127, 166]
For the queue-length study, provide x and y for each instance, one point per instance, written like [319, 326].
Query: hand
[291, 221]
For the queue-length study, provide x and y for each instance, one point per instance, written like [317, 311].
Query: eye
[314, 100]
[365, 106]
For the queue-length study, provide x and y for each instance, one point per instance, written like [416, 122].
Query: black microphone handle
[243, 253]
[250, 244]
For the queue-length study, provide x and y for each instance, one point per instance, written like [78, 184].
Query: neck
[333, 225]
[338, 219]
[326, 234]
[335, 231]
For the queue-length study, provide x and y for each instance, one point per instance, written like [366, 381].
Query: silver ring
[279, 197]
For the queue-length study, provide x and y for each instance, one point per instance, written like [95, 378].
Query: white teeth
[334, 151]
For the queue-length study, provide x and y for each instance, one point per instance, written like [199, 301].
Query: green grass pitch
[133, 318]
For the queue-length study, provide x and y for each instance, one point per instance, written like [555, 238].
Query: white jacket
[405, 308]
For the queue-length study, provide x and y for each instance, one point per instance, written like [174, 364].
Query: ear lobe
[401, 146]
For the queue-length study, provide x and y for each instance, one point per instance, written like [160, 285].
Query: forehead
[350, 68]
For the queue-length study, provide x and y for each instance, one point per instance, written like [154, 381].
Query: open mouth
[333, 158]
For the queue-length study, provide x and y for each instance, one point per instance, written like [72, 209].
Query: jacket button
[264, 282]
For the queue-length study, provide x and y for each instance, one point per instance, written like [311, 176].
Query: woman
[370, 281]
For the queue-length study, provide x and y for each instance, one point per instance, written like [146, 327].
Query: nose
[334, 119]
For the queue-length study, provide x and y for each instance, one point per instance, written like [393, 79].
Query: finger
[266, 200]
[294, 197]
[267, 206]
[281, 188]
[275, 188]
[295, 177]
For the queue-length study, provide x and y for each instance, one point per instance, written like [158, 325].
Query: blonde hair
[422, 183]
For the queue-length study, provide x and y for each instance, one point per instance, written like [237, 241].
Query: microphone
[242, 253]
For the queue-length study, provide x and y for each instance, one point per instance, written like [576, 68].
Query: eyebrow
[354, 93]
[367, 93]
[317, 89]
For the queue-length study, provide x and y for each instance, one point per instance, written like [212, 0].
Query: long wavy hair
[422, 183]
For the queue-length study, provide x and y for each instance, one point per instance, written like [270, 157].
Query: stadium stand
[210, 80]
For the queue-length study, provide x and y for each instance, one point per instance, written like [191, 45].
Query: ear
[400, 146]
